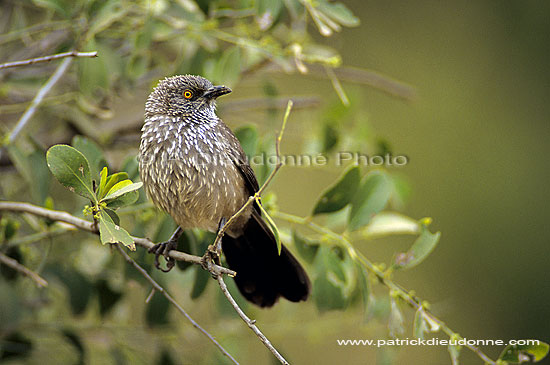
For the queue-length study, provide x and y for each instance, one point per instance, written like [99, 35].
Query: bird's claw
[211, 257]
[162, 249]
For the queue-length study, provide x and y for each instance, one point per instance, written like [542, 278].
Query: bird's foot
[210, 258]
[162, 249]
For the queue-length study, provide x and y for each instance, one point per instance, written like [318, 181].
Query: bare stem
[32, 61]
[160, 289]
[84, 225]
[249, 322]
[45, 89]
[8, 261]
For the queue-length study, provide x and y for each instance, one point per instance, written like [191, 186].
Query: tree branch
[32, 61]
[45, 89]
[85, 225]
[160, 289]
[8, 261]
[249, 322]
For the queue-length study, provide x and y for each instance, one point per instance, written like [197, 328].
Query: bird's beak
[216, 91]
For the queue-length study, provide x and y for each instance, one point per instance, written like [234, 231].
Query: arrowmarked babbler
[194, 168]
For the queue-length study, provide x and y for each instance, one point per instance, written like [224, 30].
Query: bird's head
[183, 95]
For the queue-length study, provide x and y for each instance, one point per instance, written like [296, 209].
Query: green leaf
[131, 166]
[102, 183]
[123, 200]
[329, 284]
[71, 169]
[396, 320]
[268, 11]
[110, 12]
[144, 35]
[59, 6]
[370, 198]
[157, 311]
[113, 179]
[165, 358]
[113, 215]
[339, 13]
[187, 243]
[306, 248]
[420, 249]
[109, 232]
[6, 271]
[92, 152]
[390, 223]
[33, 168]
[454, 352]
[363, 286]
[122, 193]
[340, 194]
[78, 286]
[517, 354]
[93, 73]
[107, 296]
[419, 325]
[75, 340]
[12, 309]
[202, 277]
[272, 225]
[8, 228]
[228, 67]
[121, 188]
[248, 137]
[15, 346]
[329, 137]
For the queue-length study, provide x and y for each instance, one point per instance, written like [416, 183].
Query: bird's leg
[164, 247]
[213, 253]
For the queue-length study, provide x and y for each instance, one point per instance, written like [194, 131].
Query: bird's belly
[195, 192]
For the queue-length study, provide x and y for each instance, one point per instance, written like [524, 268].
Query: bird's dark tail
[262, 274]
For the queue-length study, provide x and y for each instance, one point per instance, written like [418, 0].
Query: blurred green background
[476, 136]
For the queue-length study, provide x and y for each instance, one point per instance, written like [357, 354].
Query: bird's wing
[241, 162]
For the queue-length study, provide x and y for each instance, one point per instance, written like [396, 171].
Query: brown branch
[370, 78]
[8, 261]
[160, 289]
[32, 61]
[252, 323]
[85, 225]
[249, 322]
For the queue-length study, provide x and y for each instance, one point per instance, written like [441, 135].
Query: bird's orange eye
[187, 94]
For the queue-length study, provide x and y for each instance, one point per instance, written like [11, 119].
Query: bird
[193, 167]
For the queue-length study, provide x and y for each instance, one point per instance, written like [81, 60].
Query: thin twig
[45, 89]
[258, 194]
[157, 287]
[150, 296]
[8, 261]
[85, 225]
[38, 98]
[249, 322]
[410, 299]
[370, 78]
[32, 61]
